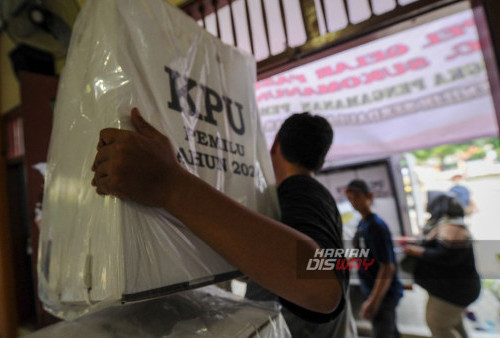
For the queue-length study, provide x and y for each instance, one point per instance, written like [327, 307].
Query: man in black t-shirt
[306, 205]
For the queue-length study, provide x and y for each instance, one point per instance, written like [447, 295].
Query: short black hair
[444, 204]
[305, 139]
[358, 185]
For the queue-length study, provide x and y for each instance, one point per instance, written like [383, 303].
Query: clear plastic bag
[96, 251]
[207, 312]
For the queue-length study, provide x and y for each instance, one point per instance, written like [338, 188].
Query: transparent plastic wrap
[207, 312]
[94, 250]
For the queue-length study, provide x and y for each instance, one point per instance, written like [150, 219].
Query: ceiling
[175, 2]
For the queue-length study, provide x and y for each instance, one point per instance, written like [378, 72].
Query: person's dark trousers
[384, 322]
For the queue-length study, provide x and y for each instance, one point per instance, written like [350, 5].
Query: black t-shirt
[307, 206]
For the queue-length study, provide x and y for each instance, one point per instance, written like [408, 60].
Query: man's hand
[139, 166]
[369, 309]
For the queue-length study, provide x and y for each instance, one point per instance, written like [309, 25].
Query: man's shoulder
[303, 183]
[298, 179]
[305, 191]
[308, 206]
[376, 224]
[459, 187]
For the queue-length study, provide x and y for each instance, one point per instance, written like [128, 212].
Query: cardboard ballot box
[96, 251]
[208, 312]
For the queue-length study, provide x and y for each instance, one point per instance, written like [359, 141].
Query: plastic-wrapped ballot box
[207, 312]
[96, 251]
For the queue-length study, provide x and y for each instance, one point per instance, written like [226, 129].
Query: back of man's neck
[290, 170]
[366, 213]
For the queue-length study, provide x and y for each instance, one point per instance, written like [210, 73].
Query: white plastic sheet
[209, 312]
[94, 250]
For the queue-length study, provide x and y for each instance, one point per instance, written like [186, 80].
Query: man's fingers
[108, 186]
[102, 186]
[100, 173]
[143, 127]
[100, 144]
[102, 155]
[104, 169]
[108, 136]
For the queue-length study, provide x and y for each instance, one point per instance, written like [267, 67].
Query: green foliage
[478, 155]
[440, 152]
[496, 143]
[493, 286]
[444, 150]
[422, 155]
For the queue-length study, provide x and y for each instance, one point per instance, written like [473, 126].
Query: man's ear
[275, 146]
[371, 196]
[322, 164]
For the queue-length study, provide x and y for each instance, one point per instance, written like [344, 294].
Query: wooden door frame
[485, 12]
[8, 306]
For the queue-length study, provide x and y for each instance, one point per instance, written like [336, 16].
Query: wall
[9, 84]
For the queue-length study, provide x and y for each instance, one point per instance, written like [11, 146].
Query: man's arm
[472, 208]
[380, 239]
[142, 167]
[384, 278]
